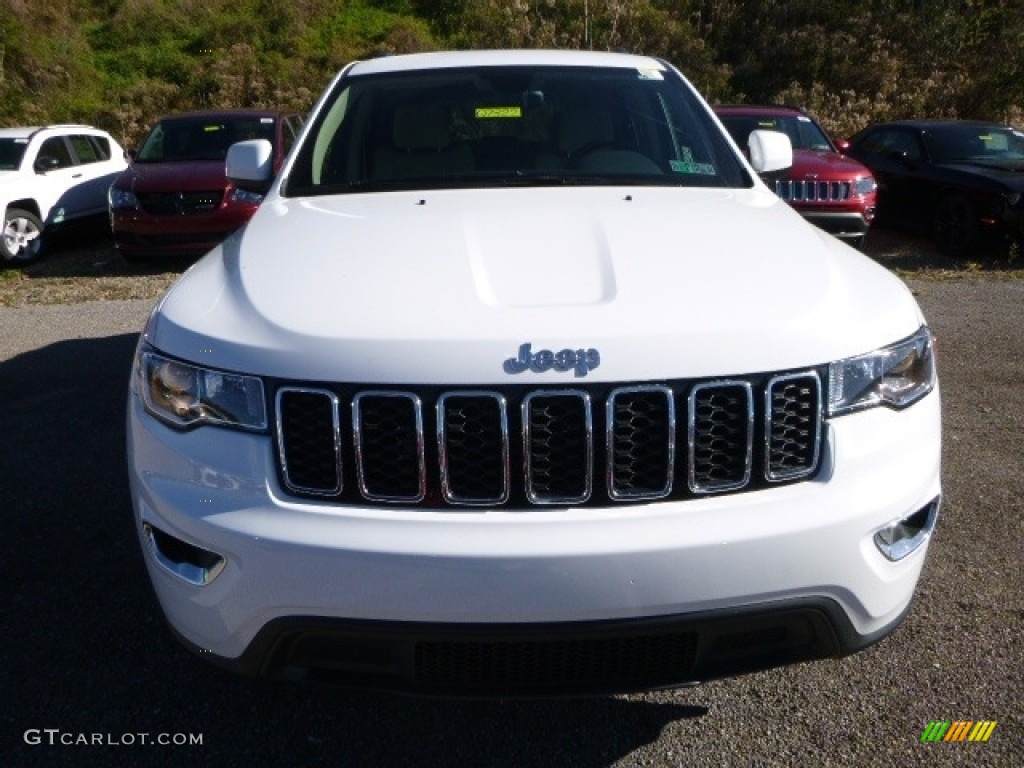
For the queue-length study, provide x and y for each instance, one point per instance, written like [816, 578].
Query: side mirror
[843, 145]
[130, 155]
[770, 152]
[250, 165]
[46, 163]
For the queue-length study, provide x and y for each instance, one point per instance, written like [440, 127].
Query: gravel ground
[85, 649]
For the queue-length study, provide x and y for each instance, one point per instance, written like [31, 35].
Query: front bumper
[145, 234]
[357, 594]
[846, 225]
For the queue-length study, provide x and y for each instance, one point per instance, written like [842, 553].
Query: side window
[85, 150]
[54, 154]
[885, 143]
[905, 143]
[102, 145]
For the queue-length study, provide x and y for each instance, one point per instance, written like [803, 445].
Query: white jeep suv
[522, 382]
[50, 176]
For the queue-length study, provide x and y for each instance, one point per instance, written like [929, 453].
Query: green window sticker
[687, 165]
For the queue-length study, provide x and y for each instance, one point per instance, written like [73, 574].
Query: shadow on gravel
[86, 651]
[87, 250]
[908, 253]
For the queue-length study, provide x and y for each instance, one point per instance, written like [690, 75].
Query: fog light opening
[899, 539]
[195, 565]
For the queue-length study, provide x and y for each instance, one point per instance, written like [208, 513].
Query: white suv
[521, 382]
[50, 176]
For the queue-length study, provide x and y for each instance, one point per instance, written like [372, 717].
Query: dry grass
[83, 266]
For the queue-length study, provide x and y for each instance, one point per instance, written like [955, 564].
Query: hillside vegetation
[121, 63]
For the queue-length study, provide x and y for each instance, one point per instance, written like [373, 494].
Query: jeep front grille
[522, 446]
[813, 191]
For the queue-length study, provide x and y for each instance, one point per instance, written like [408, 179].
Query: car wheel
[22, 241]
[955, 226]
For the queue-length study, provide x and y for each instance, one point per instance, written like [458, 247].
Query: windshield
[498, 126]
[11, 152]
[973, 143]
[182, 139]
[803, 132]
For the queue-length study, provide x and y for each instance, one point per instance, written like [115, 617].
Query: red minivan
[174, 199]
[828, 189]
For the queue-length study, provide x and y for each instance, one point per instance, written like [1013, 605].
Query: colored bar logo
[958, 730]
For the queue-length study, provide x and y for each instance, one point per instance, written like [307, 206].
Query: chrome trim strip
[357, 441]
[282, 453]
[442, 449]
[696, 487]
[666, 489]
[531, 494]
[776, 477]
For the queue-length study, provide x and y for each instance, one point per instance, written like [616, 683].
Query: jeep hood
[827, 166]
[444, 286]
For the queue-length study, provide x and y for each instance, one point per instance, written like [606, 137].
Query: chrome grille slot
[473, 447]
[559, 446]
[792, 426]
[641, 442]
[721, 436]
[388, 434]
[308, 440]
[516, 446]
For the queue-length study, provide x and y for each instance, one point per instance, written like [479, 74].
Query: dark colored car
[826, 188]
[174, 199]
[960, 181]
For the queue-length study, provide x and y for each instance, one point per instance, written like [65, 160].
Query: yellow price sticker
[485, 113]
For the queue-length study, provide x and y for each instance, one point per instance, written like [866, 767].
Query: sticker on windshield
[489, 113]
[650, 74]
[686, 165]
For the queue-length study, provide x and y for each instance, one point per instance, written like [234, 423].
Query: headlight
[864, 186]
[246, 197]
[121, 199]
[186, 395]
[895, 376]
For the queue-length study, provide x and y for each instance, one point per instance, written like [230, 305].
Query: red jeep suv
[826, 188]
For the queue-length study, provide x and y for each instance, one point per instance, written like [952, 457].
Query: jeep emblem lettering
[581, 361]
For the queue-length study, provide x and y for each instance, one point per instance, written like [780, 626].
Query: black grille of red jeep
[522, 446]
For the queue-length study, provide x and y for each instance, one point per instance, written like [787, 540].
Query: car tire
[22, 240]
[955, 226]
